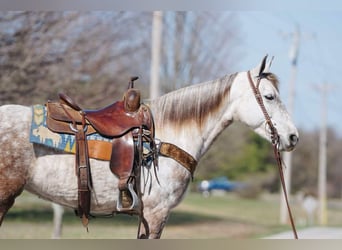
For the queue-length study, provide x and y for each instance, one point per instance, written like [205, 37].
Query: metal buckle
[75, 130]
[158, 144]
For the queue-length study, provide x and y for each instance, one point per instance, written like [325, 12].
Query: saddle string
[275, 143]
[153, 146]
[148, 157]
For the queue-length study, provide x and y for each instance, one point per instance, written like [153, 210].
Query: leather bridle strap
[275, 142]
[258, 97]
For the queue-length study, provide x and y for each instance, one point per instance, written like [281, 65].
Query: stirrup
[135, 201]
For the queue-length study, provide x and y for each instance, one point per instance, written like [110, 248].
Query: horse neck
[194, 116]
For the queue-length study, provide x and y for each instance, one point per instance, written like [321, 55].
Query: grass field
[227, 216]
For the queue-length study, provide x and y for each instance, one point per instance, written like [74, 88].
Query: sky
[320, 53]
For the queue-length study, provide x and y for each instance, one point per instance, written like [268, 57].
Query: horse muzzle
[290, 143]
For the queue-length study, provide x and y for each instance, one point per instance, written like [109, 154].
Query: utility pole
[322, 161]
[287, 156]
[157, 26]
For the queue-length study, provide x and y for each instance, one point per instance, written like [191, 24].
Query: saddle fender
[122, 158]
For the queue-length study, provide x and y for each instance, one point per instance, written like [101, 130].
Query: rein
[275, 143]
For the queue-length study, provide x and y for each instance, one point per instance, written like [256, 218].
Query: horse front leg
[152, 224]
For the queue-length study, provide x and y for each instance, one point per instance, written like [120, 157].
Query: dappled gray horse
[190, 118]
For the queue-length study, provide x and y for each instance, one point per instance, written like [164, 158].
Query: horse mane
[273, 79]
[193, 103]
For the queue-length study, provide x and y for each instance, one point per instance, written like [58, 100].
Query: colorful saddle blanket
[40, 133]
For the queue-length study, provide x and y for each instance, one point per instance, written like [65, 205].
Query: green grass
[227, 216]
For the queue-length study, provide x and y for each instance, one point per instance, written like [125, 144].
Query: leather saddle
[112, 121]
[128, 123]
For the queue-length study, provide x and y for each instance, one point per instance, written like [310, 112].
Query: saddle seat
[114, 121]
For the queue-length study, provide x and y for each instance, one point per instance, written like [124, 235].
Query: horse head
[248, 110]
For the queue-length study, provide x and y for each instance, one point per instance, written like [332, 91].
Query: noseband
[275, 142]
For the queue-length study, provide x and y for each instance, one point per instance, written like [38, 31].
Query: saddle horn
[131, 82]
[132, 96]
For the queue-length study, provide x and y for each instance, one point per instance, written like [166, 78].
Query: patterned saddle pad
[40, 134]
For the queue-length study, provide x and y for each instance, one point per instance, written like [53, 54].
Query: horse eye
[269, 97]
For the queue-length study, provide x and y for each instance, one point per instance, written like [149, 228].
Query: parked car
[206, 187]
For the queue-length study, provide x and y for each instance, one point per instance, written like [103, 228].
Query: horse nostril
[293, 139]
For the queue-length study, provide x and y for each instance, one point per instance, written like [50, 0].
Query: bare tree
[198, 46]
[91, 54]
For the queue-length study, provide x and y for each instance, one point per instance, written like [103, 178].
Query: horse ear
[262, 65]
[268, 66]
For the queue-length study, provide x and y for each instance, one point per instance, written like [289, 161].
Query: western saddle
[128, 123]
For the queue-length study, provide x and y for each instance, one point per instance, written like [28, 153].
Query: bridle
[275, 143]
